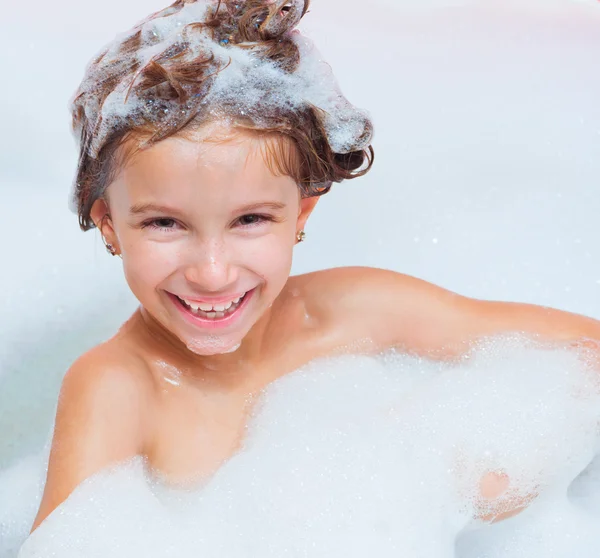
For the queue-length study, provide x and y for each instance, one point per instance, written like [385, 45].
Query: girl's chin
[212, 346]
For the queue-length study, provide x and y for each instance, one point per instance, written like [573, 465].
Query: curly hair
[199, 61]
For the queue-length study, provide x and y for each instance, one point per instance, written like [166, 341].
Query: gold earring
[110, 248]
[301, 236]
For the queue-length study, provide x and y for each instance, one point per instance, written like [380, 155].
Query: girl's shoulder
[101, 417]
[352, 287]
[353, 277]
[107, 372]
[386, 308]
[112, 380]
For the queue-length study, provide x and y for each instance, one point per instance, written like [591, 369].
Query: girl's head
[206, 135]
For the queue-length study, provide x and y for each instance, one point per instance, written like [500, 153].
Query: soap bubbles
[216, 77]
[377, 456]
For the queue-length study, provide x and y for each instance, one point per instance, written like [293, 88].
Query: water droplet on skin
[171, 374]
[172, 382]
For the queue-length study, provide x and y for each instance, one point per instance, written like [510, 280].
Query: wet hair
[241, 62]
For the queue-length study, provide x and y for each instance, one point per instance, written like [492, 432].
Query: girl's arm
[394, 310]
[400, 311]
[99, 422]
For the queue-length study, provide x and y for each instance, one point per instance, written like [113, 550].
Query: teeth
[214, 312]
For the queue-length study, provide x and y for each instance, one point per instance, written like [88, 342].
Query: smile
[212, 315]
[216, 311]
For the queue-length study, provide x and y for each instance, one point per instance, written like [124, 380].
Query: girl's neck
[232, 367]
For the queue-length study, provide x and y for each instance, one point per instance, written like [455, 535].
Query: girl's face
[206, 232]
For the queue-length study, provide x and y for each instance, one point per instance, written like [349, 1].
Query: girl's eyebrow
[141, 208]
[275, 206]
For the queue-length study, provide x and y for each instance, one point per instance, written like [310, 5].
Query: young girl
[207, 135]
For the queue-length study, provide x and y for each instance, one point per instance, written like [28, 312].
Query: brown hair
[173, 85]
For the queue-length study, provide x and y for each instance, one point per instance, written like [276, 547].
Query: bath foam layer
[362, 456]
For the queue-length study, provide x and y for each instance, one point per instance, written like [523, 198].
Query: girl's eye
[253, 219]
[160, 224]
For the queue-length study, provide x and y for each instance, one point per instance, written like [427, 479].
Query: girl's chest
[195, 431]
[192, 441]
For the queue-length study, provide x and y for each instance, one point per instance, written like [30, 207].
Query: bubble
[211, 345]
[233, 349]
[381, 456]
[245, 84]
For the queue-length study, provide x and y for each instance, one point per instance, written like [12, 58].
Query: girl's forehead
[200, 142]
[217, 165]
[183, 157]
[217, 144]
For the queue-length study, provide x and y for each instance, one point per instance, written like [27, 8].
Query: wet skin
[179, 393]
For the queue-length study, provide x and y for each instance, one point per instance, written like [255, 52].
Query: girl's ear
[306, 207]
[100, 214]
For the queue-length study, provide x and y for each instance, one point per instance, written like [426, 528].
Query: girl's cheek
[147, 264]
[272, 255]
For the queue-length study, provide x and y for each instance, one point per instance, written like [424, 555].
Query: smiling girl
[207, 134]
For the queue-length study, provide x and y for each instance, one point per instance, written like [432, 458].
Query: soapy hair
[241, 62]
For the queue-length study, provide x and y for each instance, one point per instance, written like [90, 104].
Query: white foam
[21, 489]
[369, 456]
[247, 85]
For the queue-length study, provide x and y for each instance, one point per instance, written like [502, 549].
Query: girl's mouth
[212, 316]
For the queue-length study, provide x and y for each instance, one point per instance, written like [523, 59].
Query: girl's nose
[209, 268]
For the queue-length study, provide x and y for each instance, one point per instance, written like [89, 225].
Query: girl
[207, 135]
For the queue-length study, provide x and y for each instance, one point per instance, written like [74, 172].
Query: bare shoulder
[352, 286]
[354, 277]
[105, 370]
[388, 308]
[101, 419]
[394, 310]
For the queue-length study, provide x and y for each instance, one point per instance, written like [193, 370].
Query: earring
[110, 248]
[301, 236]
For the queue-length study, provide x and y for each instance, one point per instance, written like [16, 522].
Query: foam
[377, 456]
[245, 80]
[211, 345]
[21, 489]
